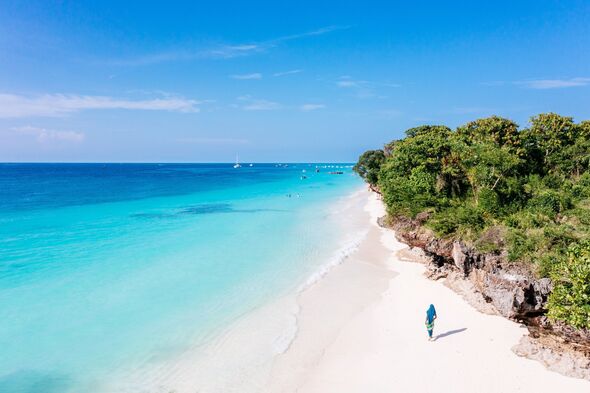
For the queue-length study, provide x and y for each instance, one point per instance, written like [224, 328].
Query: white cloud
[311, 107]
[291, 72]
[215, 52]
[362, 88]
[43, 135]
[13, 105]
[256, 104]
[542, 84]
[323, 30]
[229, 51]
[255, 75]
[348, 83]
[223, 51]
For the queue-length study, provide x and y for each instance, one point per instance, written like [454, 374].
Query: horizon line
[175, 162]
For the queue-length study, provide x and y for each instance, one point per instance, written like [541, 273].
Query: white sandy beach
[361, 329]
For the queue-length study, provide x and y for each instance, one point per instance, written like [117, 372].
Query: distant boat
[237, 164]
[251, 165]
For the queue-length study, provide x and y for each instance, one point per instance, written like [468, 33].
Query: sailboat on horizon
[237, 164]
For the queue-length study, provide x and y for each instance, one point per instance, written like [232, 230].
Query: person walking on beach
[430, 317]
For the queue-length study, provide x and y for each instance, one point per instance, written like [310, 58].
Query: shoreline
[361, 329]
[356, 325]
[239, 356]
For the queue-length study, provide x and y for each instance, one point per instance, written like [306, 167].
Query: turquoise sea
[109, 267]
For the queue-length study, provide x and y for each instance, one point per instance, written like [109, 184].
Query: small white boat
[251, 165]
[237, 164]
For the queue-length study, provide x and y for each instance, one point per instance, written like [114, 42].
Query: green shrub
[548, 203]
[522, 245]
[570, 299]
[582, 187]
[489, 201]
[464, 220]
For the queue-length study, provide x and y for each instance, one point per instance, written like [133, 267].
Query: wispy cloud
[225, 52]
[320, 31]
[255, 75]
[44, 135]
[349, 83]
[291, 72]
[216, 52]
[311, 107]
[214, 141]
[542, 84]
[219, 51]
[13, 105]
[363, 88]
[250, 103]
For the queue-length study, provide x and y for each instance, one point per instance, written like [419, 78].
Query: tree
[550, 132]
[487, 167]
[369, 165]
[409, 175]
[496, 130]
[490, 151]
[424, 145]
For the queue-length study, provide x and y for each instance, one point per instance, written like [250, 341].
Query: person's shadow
[448, 333]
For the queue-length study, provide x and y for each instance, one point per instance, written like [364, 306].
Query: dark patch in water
[34, 382]
[150, 215]
[208, 208]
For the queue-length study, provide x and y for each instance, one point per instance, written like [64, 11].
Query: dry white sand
[361, 329]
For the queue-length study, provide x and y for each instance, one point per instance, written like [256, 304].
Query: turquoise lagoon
[109, 267]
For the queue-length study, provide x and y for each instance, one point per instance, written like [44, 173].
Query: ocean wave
[339, 256]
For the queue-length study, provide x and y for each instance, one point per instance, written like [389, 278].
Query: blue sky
[305, 81]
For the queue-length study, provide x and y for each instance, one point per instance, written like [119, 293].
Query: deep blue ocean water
[103, 266]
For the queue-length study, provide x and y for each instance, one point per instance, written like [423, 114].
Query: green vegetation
[500, 187]
[369, 165]
[570, 299]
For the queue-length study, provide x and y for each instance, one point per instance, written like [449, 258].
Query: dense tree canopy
[369, 165]
[531, 184]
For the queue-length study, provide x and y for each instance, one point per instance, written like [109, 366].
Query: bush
[464, 220]
[522, 245]
[548, 203]
[570, 299]
[489, 201]
[582, 188]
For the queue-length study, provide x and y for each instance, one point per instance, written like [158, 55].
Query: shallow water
[116, 267]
